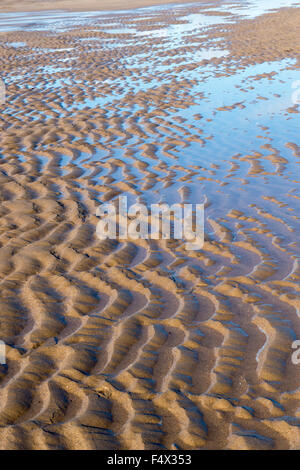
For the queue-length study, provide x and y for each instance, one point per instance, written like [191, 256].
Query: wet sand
[142, 344]
[88, 5]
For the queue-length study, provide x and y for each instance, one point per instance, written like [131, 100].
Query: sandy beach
[142, 344]
[87, 5]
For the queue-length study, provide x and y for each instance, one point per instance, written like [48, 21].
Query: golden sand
[141, 345]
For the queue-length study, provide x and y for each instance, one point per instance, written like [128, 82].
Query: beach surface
[87, 5]
[143, 344]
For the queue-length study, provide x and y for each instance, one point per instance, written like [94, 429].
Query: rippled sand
[144, 345]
